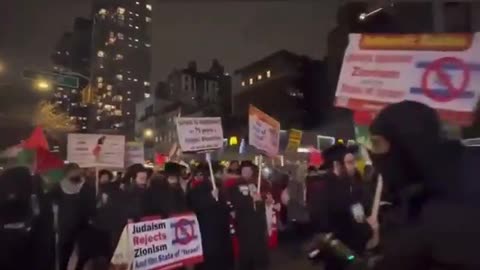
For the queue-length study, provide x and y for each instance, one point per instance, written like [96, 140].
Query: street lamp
[148, 133]
[42, 85]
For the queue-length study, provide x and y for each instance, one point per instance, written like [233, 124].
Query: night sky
[234, 32]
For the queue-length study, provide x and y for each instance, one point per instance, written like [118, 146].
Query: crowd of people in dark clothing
[428, 219]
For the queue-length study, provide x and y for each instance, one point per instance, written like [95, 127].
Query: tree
[52, 119]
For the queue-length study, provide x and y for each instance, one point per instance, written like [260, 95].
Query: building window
[102, 12]
[149, 7]
[148, 45]
[118, 57]
[121, 10]
[99, 79]
[136, 40]
[259, 77]
[135, 80]
[250, 81]
[136, 27]
[130, 25]
[148, 19]
[128, 92]
[136, 14]
[130, 45]
[100, 85]
[100, 54]
[120, 77]
[146, 83]
[138, 3]
[128, 99]
[268, 73]
[120, 36]
[109, 87]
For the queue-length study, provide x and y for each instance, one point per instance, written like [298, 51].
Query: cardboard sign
[439, 70]
[160, 244]
[134, 153]
[200, 133]
[96, 150]
[264, 131]
[294, 139]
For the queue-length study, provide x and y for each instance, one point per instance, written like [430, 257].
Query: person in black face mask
[434, 186]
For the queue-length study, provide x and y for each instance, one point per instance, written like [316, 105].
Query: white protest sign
[161, 244]
[199, 133]
[134, 153]
[264, 131]
[439, 70]
[96, 150]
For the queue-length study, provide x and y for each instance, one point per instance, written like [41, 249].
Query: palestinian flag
[34, 153]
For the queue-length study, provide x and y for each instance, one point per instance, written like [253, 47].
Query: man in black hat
[213, 217]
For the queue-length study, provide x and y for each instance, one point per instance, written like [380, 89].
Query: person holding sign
[250, 222]
[213, 217]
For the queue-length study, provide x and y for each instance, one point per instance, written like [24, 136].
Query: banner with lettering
[294, 140]
[199, 133]
[134, 153]
[96, 150]
[439, 70]
[160, 244]
[264, 131]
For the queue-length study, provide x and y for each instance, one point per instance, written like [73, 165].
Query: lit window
[250, 81]
[259, 77]
[60, 88]
[99, 79]
[136, 40]
[128, 92]
[100, 54]
[102, 11]
[243, 83]
[101, 66]
[148, 45]
[84, 127]
[130, 45]
[74, 104]
[109, 87]
[58, 52]
[64, 96]
[128, 99]
[147, 95]
[138, 3]
[130, 25]
[120, 10]
[136, 47]
[146, 83]
[128, 113]
[268, 74]
[135, 80]
[59, 102]
[100, 85]
[136, 27]
[129, 38]
[118, 57]
[67, 53]
[148, 19]
[149, 7]
[98, 118]
[119, 77]
[117, 112]
[136, 14]
[74, 91]
[120, 36]
[129, 78]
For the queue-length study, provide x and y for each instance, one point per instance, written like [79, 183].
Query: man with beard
[249, 222]
[213, 217]
[435, 190]
[165, 196]
[345, 213]
[76, 207]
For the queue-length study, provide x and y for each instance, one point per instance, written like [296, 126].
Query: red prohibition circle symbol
[436, 68]
[184, 232]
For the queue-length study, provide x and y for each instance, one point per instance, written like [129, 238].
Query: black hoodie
[432, 183]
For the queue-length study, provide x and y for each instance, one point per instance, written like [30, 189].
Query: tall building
[285, 85]
[72, 55]
[121, 61]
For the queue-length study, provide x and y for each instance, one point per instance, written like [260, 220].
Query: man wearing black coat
[213, 216]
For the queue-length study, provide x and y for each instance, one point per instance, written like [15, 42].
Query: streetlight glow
[148, 133]
[43, 85]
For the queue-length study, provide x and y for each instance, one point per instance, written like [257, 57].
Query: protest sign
[199, 133]
[294, 140]
[96, 150]
[134, 153]
[264, 131]
[439, 70]
[160, 244]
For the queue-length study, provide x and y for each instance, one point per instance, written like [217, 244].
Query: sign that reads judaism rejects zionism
[199, 133]
[160, 244]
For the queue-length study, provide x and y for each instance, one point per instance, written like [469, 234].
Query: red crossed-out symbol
[436, 68]
[184, 231]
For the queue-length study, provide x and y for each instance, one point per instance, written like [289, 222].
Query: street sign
[57, 79]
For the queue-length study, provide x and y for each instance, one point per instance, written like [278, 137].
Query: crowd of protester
[84, 215]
